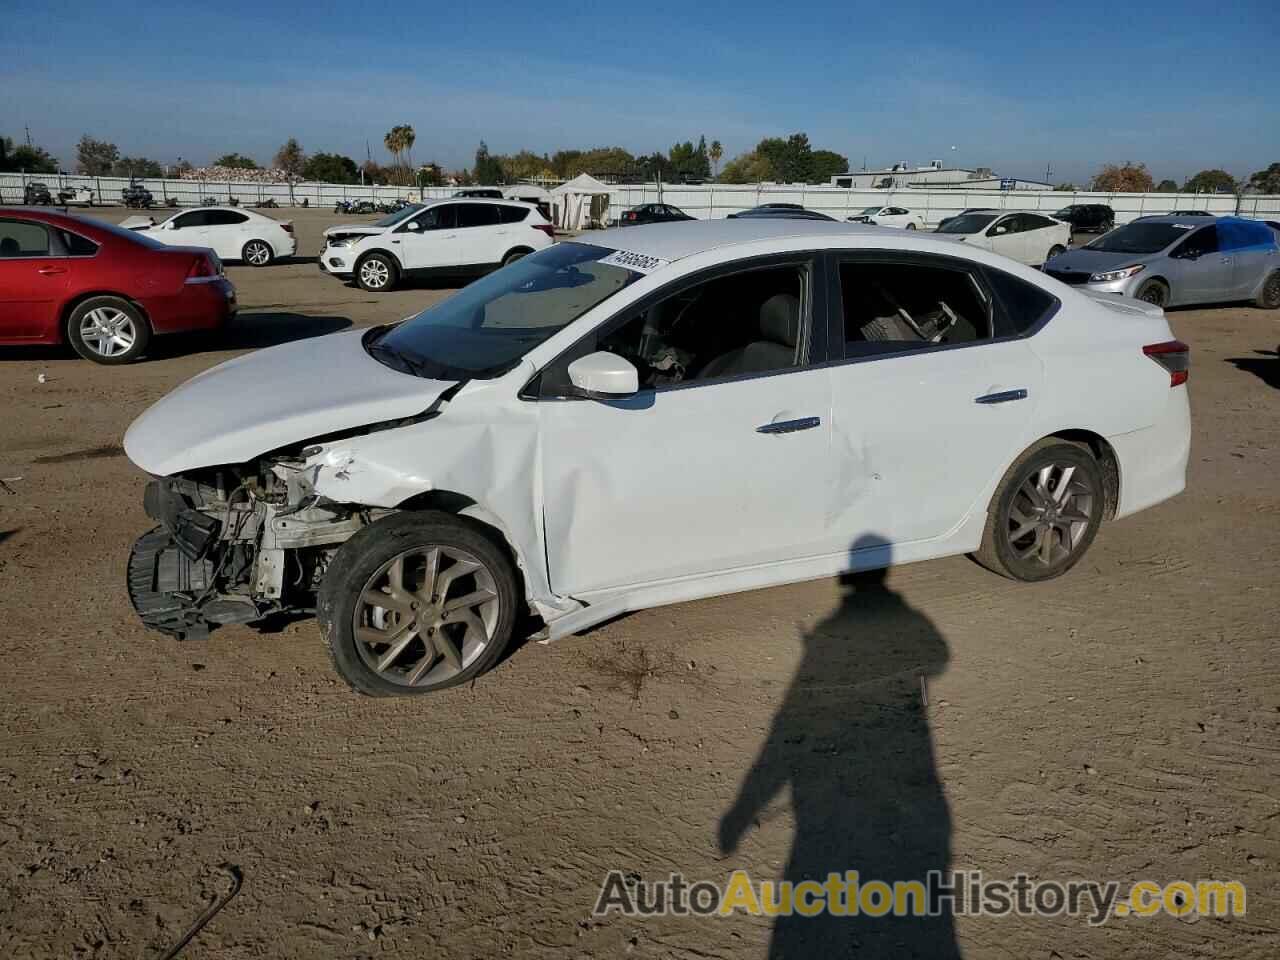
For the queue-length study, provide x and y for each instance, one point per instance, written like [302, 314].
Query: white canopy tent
[579, 203]
[528, 192]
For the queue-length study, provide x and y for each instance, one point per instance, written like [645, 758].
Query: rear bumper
[1153, 461]
[200, 306]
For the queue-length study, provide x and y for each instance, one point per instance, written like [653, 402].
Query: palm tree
[715, 153]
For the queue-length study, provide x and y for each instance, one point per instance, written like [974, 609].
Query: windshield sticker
[635, 261]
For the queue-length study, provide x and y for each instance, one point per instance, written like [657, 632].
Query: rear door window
[477, 215]
[223, 218]
[1204, 240]
[900, 306]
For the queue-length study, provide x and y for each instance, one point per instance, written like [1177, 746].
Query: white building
[902, 176]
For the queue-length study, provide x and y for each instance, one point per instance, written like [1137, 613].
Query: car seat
[779, 331]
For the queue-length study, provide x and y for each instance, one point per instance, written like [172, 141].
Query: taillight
[546, 228]
[203, 269]
[1174, 356]
[287, 227]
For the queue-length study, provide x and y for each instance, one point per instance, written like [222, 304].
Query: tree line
[784, 160]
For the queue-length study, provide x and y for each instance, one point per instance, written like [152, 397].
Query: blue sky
[1178, 85]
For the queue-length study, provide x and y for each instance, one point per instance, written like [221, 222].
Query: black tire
[1023, 557]
[359, 561]
[1155, 292]
[515, 255]
[80, 322]
[1269, 296]
[253, 249]
[911, 226]
[378, 280]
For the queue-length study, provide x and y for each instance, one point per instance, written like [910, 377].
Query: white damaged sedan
[661, 413]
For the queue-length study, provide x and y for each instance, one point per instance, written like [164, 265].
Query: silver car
[1175, 260]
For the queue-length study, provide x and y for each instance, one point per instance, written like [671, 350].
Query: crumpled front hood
[258, 402]
[357, 228]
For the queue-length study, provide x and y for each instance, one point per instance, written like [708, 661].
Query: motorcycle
[267, 204]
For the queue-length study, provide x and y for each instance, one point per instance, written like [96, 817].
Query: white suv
[454, 236]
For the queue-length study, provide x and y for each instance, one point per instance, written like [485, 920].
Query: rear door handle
[1003, 396]
[51, 271]
[790, 426]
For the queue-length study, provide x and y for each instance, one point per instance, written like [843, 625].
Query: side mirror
[413, 225]
[604, 376]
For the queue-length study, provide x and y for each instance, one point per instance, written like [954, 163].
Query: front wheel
[1045, 513]
[257, 253]
[377, 272]
[1154, 292]
[108, 330]
[415, 603]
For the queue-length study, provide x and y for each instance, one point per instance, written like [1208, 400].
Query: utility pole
[28, 127]
[1048, 173]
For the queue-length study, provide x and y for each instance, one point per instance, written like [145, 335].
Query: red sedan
[104, 290]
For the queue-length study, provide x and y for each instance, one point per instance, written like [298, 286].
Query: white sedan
[889, 217]
[231, 233]
[1030, 238]
[657, 414]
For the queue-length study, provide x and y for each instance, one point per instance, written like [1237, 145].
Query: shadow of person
[1265, 365]
[852, 741]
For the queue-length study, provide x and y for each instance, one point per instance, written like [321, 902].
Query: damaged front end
[235, 545]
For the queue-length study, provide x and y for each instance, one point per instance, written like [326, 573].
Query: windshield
[1139, 238]
[967, 223]
[391, 219]
[485, 328]
[868, 211]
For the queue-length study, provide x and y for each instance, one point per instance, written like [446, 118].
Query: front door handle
[51, 271]
[1003, 396]
[790, 426]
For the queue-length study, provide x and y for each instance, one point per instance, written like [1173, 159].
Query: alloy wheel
[108, 332]
[257, 253]
[1050, 514]
[426, 615]
[374, 274]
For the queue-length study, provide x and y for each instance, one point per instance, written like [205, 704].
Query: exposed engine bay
[235, 544]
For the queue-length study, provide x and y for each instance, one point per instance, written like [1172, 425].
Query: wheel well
[1105, 454]
[447, 501]
[386, 253]
[80, 298]
[519, 249]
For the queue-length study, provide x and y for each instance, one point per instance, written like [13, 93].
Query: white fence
[705, 202]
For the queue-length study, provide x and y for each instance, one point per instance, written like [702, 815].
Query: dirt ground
[1119, 723]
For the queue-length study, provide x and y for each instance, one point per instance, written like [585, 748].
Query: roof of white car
[673, 241]
[247, 213]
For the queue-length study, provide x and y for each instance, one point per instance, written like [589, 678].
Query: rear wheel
[415, 603]
[108, 330]
[911, 226]
[1055, 251]
[1269, 295]
[257, 253]
[1044, 514]
[377, 272]
[515, 255]
[1155, 292]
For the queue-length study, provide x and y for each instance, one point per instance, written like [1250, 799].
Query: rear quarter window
[513, 214]
[1022, 307]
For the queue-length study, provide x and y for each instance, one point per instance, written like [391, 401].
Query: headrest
[9, 247]
[780, 319]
